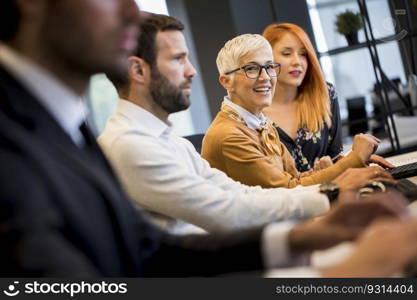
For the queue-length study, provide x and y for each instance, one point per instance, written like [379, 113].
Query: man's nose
[190, 70]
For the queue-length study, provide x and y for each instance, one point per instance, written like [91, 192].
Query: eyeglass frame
[260, 69]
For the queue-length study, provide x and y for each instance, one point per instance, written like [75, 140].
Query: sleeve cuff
[301, 272]
[275, 247]
[314, 203]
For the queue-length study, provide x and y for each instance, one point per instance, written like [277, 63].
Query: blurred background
[209, 24]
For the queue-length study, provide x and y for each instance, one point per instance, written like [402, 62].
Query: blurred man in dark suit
[62, 212]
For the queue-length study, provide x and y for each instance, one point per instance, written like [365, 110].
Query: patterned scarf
[268, 134]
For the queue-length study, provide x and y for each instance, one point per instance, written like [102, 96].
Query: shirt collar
[252, 121]
[142, 119]
[66, 107]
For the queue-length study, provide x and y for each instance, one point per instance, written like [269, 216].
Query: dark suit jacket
[62, 212]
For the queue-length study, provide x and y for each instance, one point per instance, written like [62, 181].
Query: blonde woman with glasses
[242, 141]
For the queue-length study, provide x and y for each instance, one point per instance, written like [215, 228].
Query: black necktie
[90, 146]
[87, 135]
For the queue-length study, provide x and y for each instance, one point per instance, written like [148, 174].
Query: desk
[403, 159]
[406, 135]
[329, 257]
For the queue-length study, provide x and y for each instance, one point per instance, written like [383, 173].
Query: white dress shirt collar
[251, 120]
[67, 108]
[143, 120]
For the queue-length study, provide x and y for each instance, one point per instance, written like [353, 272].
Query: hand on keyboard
[353, 179]
[404, 186]
[379, 160]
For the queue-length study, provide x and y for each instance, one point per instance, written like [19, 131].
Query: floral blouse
[308, 146]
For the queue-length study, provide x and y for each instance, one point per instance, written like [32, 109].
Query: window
[351, 71]
[103, 97]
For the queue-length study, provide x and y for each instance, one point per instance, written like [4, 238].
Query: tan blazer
[242, 153]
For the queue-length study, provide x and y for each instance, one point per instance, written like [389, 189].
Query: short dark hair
[9, 19]
[151, 24]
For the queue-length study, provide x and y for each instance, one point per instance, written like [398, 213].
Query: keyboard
[404, 171]
[408, 189]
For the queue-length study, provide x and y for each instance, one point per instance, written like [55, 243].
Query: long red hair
[314, 108]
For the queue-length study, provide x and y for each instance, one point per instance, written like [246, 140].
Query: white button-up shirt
[67, 108]
[166, 177]
[69, 111]
[164, 174]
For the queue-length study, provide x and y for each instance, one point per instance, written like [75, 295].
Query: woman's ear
[227, 82]
[138, 70]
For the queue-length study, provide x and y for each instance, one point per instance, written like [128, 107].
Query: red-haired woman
[304, 109]
[243, 143]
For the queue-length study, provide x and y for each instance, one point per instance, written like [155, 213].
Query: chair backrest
[196, 140]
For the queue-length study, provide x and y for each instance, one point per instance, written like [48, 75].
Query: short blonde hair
[232, 52]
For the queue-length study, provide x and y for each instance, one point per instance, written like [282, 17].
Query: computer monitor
[357, 116]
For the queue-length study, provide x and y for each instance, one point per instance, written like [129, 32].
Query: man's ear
[138, 70]
[227, 82]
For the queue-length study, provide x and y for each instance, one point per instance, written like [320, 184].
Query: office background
[209, 24]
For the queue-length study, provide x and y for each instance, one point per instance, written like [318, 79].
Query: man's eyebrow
[180, 54]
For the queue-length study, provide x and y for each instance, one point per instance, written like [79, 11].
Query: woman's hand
[322, 163]
[365, 145]
[379, 160]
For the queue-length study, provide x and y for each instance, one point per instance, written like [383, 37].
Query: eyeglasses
[254, 70]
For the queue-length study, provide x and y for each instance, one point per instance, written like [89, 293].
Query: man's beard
[167, 95]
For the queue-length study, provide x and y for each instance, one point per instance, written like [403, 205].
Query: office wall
[199, 109]
[212, 23]
[405, 16]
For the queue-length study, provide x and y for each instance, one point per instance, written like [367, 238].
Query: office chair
[196, 140]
